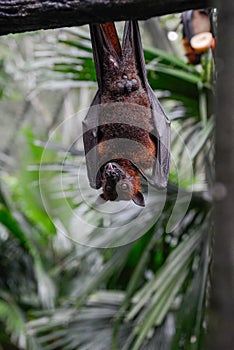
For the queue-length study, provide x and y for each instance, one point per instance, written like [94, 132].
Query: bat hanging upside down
[198, 34]
[126, 132]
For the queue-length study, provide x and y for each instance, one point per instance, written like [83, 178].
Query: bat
[197, 34]
[126, 133]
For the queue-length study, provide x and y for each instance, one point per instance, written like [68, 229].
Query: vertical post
[221, 316]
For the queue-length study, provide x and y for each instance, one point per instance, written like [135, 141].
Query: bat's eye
[127, 85]
[124, 186]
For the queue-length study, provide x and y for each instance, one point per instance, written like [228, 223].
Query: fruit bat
[126, 133]
[197, 34]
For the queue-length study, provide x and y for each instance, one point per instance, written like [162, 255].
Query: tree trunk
[221, 318]
[27, 15]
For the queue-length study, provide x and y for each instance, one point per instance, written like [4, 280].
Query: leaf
[11, 316]
[203, 137]
[168, 59]
[189, 320]
[158, 294]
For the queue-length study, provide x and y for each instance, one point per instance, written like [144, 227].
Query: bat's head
[120, 182]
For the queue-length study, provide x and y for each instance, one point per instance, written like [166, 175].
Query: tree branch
[27, 15]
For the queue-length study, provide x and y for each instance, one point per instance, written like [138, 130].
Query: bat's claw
[127, 85]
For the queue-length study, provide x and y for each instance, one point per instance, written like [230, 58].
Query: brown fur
[125, 121]
[126, 116]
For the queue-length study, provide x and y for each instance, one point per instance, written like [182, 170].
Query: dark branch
[27, 15]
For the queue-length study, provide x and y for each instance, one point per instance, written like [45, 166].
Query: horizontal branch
[27, 15]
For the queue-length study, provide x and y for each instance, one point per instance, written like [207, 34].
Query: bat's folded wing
[90, 139]
[161, 123]
[161, 133]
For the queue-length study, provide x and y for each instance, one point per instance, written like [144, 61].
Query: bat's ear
[100, 200]
[139, 199]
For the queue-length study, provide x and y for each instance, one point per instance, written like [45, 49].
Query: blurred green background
[148, 290]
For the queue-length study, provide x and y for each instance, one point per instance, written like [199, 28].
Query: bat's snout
[111, 171]
[110, 166]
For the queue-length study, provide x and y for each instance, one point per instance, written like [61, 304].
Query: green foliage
[11, 315]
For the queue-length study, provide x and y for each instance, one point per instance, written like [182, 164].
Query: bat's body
[126, 140]
[196, 22]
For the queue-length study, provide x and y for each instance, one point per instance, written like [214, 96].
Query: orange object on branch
[197, 34]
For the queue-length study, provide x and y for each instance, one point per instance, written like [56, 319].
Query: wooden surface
[28, 15]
